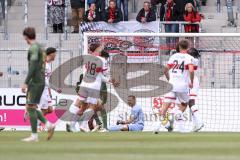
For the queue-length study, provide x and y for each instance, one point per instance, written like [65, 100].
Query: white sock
[34, 135]
[74, 121]
[158, 127]
[195, 115]
[179, 121]
[48, 125]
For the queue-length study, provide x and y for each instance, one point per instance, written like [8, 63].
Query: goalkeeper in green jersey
[34, 85]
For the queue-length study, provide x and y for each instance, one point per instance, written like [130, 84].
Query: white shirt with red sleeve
[93, 72]
[179, 72]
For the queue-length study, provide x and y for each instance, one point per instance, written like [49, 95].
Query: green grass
[122, 146]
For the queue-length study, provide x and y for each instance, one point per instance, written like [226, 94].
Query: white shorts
[171, 97]
[73, 109]
[89, 95]
[45, 100]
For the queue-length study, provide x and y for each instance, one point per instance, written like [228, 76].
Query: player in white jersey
[45, 102]
[197, 122]
[178, 70]
[89, 92]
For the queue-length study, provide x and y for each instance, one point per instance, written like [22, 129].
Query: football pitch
[121, 146]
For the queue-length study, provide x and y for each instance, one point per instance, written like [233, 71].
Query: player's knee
[50, 110]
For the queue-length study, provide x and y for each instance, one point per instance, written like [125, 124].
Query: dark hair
[183, 44]
[132, 96]
[194, 52]
[104, 54]
[93, 47]
[50, 50]
[177, 48]
[29, 32]
[112, 1]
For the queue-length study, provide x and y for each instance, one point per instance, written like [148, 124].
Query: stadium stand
[216, 18]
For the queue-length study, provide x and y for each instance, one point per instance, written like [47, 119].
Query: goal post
[138, 62]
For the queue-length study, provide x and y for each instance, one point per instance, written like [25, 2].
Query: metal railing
[14, 69]
[218, 4]
[179, 23]
[5, 28]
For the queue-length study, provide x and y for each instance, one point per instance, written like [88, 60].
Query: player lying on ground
[89, 91]
[178, 71]
[34, 84]
[135, 121]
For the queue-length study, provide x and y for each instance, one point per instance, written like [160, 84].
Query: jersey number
[92, 68]
[177, 66]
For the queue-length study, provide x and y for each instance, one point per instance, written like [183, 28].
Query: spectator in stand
[192, 16]
[170, 12]
[197, 4]
[78, 8]
[125, 8]
[204, 2]
[154, 4]
[89, 2]
[112, 13]
[2, 10]
[146, 14]
[181, 7]
[101, 5]
[92, 15]
[56, 15]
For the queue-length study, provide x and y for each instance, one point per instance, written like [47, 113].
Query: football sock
[41, 117]
[195, 115]
[104, 117]
[33, 119]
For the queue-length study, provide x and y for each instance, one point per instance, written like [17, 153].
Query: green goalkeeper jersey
[36, 65]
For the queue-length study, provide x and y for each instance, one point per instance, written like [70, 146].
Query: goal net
[137, 61]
